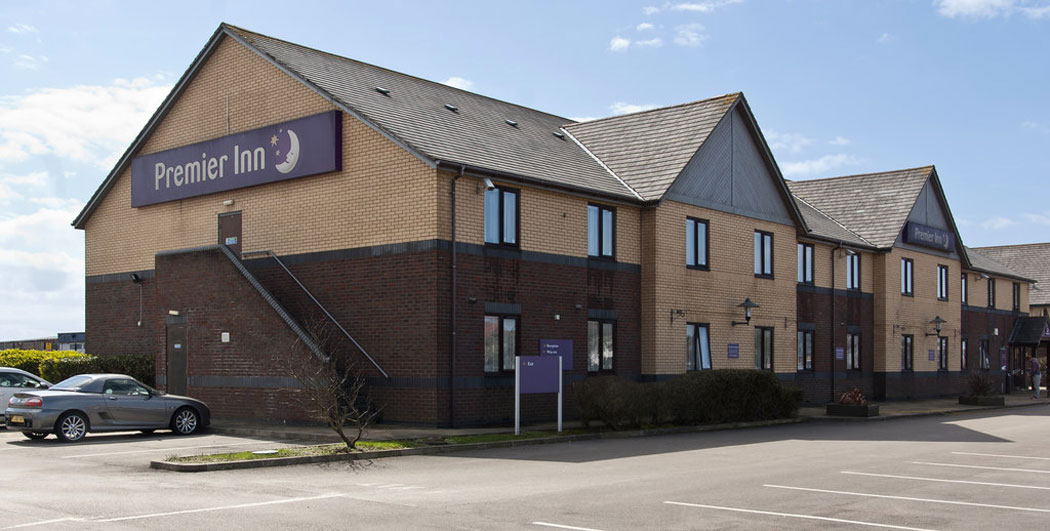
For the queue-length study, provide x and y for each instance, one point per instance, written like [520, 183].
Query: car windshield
[73, 383]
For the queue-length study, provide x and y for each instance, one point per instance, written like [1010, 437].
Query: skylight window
[451, 107]
[558, 134]
[383, 91]
[511, 123]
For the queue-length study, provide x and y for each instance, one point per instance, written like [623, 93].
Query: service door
[177, 359]
[230, 231]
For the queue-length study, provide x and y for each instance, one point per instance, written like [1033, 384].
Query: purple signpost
[558, 347]
[532, 375]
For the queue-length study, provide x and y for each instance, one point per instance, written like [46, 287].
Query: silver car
[102, 402]
[16, 381]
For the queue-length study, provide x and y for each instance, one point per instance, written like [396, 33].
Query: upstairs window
[991, 293]
[853, 271]
[805, 263]
[942, 282]
[501, 216]
[907, 281]
[763, 254]
[601, 224]
[965, 290]
[1017, 297]
[696, 243]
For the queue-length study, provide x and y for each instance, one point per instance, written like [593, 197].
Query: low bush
[30, 360]
[853, 397]
[139, 367]
[703, 397]
[980, 383]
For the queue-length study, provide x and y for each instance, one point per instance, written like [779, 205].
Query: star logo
[273, 140]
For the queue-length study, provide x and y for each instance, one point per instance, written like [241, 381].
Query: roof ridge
[377, 67]
[835, 221]
[734, 95]
[930, 166]
[1010, 245]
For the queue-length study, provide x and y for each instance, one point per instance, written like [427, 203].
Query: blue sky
[838, 88]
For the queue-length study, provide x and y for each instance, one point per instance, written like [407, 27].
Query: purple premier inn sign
[297, 148]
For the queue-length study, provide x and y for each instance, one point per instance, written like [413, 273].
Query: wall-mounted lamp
[135, 278]
[747, 305]
[472, 300]
[489, 185]
[173, 312]
[679, 313]
[937, 322]
[983, 277]
[228, 202]
[579, 306]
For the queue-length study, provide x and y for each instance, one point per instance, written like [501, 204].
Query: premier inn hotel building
[437, 233]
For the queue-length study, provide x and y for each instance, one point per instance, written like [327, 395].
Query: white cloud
[1038, 219]
[815, 167]
[88, 123]
[704, 7]
[22, 28]
[974, 9]
[884, 38]
[619, 44]
[644, 26]
[840, 141]
[997, 223]
[1028, 124]
[627, 108]
[791, 142]
[29, 62]
[655, 42]
[689, 35]
[458, 82]
[650, 10]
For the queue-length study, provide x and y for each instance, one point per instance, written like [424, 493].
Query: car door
[10, 383]
[131, 405]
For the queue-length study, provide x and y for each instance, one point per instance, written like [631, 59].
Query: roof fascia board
[146, 131]
[843, 243]
[602, 164]
[960, 249]
[588, 193]
[331, 99]
[999, 274]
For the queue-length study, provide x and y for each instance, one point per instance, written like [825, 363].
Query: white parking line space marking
[1007, 456]
[802, 516]
[560, 526]
[222, 508]
[907, 498]
[44, 522]
[985, 483]
[979, 467]
[257, 443]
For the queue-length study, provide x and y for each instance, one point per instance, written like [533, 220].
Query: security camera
[489, 185]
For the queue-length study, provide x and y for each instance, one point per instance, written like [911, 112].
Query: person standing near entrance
[1037, 373]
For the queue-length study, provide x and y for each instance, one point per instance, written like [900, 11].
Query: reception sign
[558, 347]
[297, 148]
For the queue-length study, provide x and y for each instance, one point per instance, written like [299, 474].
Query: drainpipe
[833, 253]
[452, 368]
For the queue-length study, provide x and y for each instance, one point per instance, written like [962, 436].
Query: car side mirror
[42, 385]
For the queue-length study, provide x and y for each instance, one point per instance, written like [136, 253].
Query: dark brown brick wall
[112, 304]
[851, 310]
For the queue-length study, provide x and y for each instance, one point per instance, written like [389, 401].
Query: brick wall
[853, 311]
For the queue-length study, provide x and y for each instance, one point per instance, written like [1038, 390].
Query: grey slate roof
[874, 206]
[822, 225]
[1028, 260]
[649, 149]
[414, 112]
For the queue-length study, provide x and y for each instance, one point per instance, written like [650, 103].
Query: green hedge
[703, 397]
[30, 360]
[139, 367]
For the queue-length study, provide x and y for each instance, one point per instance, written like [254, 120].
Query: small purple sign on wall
[538, 374]
[558, 347]
[840, 353]
[734, 350]
[287, 150]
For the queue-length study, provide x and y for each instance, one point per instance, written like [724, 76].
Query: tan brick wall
[712, 296]
[897, 314]
[978, 292]
[383, 195]
[822, 254]
[551, 222]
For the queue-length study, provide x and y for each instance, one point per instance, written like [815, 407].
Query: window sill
[942, 300]
[698, 267]
[761, 275]
[909, 295]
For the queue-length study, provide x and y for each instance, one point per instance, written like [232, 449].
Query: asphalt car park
[973, 471]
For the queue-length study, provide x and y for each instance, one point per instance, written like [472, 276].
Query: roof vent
[511, 123]
[451, 107]
[558, 134]
[383, 91]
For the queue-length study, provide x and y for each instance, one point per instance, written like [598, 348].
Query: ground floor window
[698, 347]
[805, 350]
[942, 353]
[908, 352]
[986, 362]
[501, 342]
[600, 346]
[962, 355]
[853, 352]
[764, 348]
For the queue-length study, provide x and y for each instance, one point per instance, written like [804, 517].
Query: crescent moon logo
[292, 157]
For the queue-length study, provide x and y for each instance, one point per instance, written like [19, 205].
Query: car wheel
[185, 421]
[35, 435]
[72, 427]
